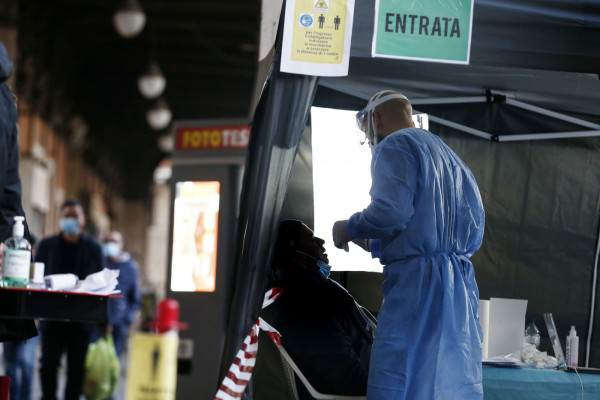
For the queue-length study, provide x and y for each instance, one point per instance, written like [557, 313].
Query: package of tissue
[101, 282]
[61, 281]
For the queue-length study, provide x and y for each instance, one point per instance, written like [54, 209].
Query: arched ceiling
[73, 67]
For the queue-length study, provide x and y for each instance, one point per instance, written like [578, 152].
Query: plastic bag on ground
[102, 369]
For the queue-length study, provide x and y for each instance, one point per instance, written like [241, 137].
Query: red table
[53, 305]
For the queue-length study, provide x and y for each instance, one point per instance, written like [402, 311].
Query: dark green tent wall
[542, 197]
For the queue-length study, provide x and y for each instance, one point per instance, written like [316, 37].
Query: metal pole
[588, 343]
[460, 127]
[542, 136]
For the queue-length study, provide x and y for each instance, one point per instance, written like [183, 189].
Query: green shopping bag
[102, 369]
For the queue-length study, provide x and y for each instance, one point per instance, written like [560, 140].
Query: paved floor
[37, 390]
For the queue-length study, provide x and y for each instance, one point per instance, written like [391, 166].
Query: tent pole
[553, 114]
[543, 136]
[588, 344]
[449, 100]
[454, 125]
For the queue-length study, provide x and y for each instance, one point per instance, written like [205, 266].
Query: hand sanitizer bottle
[532, 334]
[572, 348]
[16, 257]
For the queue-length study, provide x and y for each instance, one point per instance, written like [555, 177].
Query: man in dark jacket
[122, 310]
[71, 251]
[327, 334]
[10, 185]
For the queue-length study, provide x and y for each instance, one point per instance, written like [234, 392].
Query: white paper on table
[102, 282]
[506, 326]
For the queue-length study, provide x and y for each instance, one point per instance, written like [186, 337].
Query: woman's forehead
[306, 233]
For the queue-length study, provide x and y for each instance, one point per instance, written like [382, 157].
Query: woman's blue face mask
[324, 268]
[70, 226]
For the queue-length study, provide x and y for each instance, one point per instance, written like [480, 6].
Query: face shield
[367, 112]
[360, 119]
[361, 134]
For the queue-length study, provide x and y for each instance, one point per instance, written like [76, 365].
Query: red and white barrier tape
[241, 369]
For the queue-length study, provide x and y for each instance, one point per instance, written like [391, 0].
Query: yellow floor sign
[152, 367]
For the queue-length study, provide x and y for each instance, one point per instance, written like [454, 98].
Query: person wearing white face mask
[122, 310]
[70, 251]
[427, 219]
[326, 333]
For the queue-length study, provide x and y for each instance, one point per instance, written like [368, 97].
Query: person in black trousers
[70, 251]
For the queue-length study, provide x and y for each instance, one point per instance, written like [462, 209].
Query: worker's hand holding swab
[340, 234]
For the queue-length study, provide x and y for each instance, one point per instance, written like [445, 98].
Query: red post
[4, 387]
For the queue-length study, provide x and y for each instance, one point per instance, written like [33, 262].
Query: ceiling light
[152, 83]
[165, 142]
[159, 116]
[163, 172]
[130, 19]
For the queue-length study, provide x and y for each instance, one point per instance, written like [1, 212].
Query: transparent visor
[360, 124]
[360, 119]
[373, 103]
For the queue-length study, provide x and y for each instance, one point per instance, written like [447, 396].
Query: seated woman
[327, 334]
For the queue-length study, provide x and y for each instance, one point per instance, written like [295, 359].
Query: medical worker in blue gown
[425, 219]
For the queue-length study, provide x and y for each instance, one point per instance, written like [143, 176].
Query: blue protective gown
[427, 212]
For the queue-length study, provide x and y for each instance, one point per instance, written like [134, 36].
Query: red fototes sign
[212, 137]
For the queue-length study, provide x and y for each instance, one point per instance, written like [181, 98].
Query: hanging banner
[317, 36]
[427, 30]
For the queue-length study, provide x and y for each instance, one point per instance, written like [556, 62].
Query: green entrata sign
[428, 30]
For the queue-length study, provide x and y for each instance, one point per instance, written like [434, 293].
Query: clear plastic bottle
[16, 257]
[532, 334]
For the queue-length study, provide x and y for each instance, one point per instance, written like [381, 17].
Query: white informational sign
[317, 36]
[503, 325]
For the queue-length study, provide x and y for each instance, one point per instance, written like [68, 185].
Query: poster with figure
[317, 36]
[427, 30]
[195, 229]
[152, 367]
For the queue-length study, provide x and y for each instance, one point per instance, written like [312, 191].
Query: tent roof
[545, 53]
[564, 91]
[557, 35]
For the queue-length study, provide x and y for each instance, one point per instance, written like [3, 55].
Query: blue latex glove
[364, 244]
[340, 234]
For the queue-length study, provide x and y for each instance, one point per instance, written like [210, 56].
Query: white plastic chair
[291, 368]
